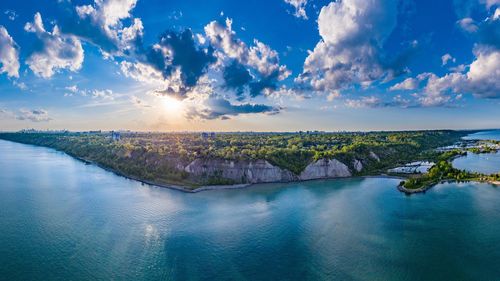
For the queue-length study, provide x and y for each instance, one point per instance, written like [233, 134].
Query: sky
[225, 65]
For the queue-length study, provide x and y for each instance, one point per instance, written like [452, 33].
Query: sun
[172, 105]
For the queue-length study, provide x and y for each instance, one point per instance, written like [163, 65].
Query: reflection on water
[63, 220]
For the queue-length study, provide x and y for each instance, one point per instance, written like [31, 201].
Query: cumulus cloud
[204, 68]
[251, 70]
[179, 64]
[97, 94]
[438, 89]
[446, 58]
[102, 25]
[300, 7]
[9, 54]
[55, 51]
[218, 107]
[141, 72]
[407, 84]
[178, 54]
[333, 95]
[34, 115]
[353, 53]
[482, 80]
[483, 76]
[106, 94]
[107, 12]
[468, 24]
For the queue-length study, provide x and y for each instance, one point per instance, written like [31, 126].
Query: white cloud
[446, 58]
[437, 90]
[102, 24]
[72, 89]
[34, 115]
[333, 95]
[259, 56]
[20, 85]
[300, 7]
[458, 68]
[141, 72]
[407, 84]
[370, 101]
[482, 80]
[9, 54]
[484, 74]
[11, 14]
[102, 94]
[107, 12]
[468, 24]
[58, 51]
[352, 33]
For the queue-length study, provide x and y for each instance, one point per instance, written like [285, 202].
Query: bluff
[261, 171]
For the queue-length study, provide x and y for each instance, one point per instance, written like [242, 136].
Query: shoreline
[186, 189]
[425, 188]
[202, 188]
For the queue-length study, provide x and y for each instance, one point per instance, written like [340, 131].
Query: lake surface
[63, 220]
[486, 163]
[484, 135]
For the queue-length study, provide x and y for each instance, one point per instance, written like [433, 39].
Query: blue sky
[280, 65]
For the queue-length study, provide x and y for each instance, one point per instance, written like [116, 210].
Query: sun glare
[172, 105]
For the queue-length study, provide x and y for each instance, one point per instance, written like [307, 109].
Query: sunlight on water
[64, 220]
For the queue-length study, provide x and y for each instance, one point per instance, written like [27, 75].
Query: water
[484, 135]
[486, 163]
[63, 220]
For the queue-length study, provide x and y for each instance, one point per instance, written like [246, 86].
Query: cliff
[261, 171]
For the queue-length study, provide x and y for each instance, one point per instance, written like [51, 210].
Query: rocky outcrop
[374, 156]
[358, 166]
[261, 171]
[258, 171]
[325, 168]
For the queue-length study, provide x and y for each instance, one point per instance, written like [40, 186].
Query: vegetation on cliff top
[159, 157]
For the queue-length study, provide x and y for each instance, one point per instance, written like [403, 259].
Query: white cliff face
[261, 171]
[325, 168]
[374, 156]
[257, 171]
[358, 166]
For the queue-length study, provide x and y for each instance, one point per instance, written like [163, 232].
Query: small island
[202, 161]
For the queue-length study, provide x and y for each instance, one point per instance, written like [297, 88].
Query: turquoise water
[484, 135]
[63, 220]
[486, 163]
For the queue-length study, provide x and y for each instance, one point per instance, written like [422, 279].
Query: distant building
[115, 136]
